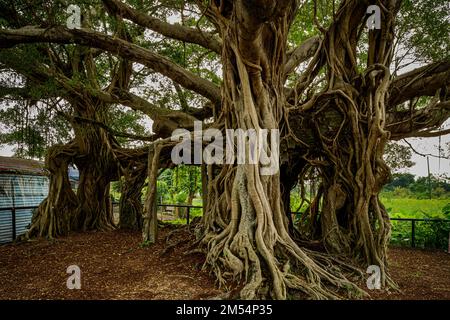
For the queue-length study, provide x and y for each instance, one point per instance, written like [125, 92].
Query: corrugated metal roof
[21, 166]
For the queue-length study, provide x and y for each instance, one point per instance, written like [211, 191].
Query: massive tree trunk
[353, 220]
[90, 209]
[56, 214]
[130, 205]
[98, 166]
[95, 211]
[245, 226]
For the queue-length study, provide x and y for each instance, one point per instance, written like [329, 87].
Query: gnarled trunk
[56, 214]
[353, 220]
[130, 205]
[98, 166]
[245, 228]
[94, 211]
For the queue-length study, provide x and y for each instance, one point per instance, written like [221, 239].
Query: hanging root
[245, 231]
[256, 249]
[55, 215]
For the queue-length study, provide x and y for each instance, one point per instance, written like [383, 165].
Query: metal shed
[23, 185]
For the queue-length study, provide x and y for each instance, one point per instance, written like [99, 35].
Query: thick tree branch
[165, 120]
[114, 132]
[17, 93]
[177, 32]
[421, 123]
[302, 53]
[424, 81]
[185, 78]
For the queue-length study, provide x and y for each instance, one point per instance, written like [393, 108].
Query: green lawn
[415, 208]
[427, 234]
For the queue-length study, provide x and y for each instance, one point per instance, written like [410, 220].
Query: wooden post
[413, 233]
[150, 228]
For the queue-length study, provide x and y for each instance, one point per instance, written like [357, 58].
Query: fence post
[13, 211]
[413, 232]
[187, 215]
[13, 216]
[449, 242]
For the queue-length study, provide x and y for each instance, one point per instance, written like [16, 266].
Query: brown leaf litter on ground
[114, 265]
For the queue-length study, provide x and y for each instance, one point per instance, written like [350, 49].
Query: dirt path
[114, 266]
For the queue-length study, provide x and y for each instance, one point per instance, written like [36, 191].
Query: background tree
[398, 156]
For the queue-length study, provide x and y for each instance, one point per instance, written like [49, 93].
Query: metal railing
[188, 208]
[414, 221]
[165, 205]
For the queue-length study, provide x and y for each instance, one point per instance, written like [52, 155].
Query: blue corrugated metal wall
[6, 229]
[19, 191]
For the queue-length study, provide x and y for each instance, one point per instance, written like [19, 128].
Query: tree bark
[130, 206]
[55, 216]
[245, 226]
[150, 229]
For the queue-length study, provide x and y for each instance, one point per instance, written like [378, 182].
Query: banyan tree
[333, 97]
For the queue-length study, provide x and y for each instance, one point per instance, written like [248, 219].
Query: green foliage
[415, 208]
[428, 234]
[296, 201]
[181, 197]
[403, 180]
[26, 127]
[398, 156]
[446, 210]
[401, 192]
[176, 185]
[423, 25]
[115, 189]
[126, 121]
[406, 185]
[197, 212]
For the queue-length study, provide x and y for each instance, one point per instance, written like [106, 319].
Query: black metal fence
[425, 233]
[168, 208]
[433, 233]
[439, 229]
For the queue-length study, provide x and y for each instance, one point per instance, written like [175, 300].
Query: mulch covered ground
[420, 274]
[114, 266]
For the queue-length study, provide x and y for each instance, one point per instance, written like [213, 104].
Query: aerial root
[318, 275]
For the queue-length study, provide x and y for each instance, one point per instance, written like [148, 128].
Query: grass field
[415, 208]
